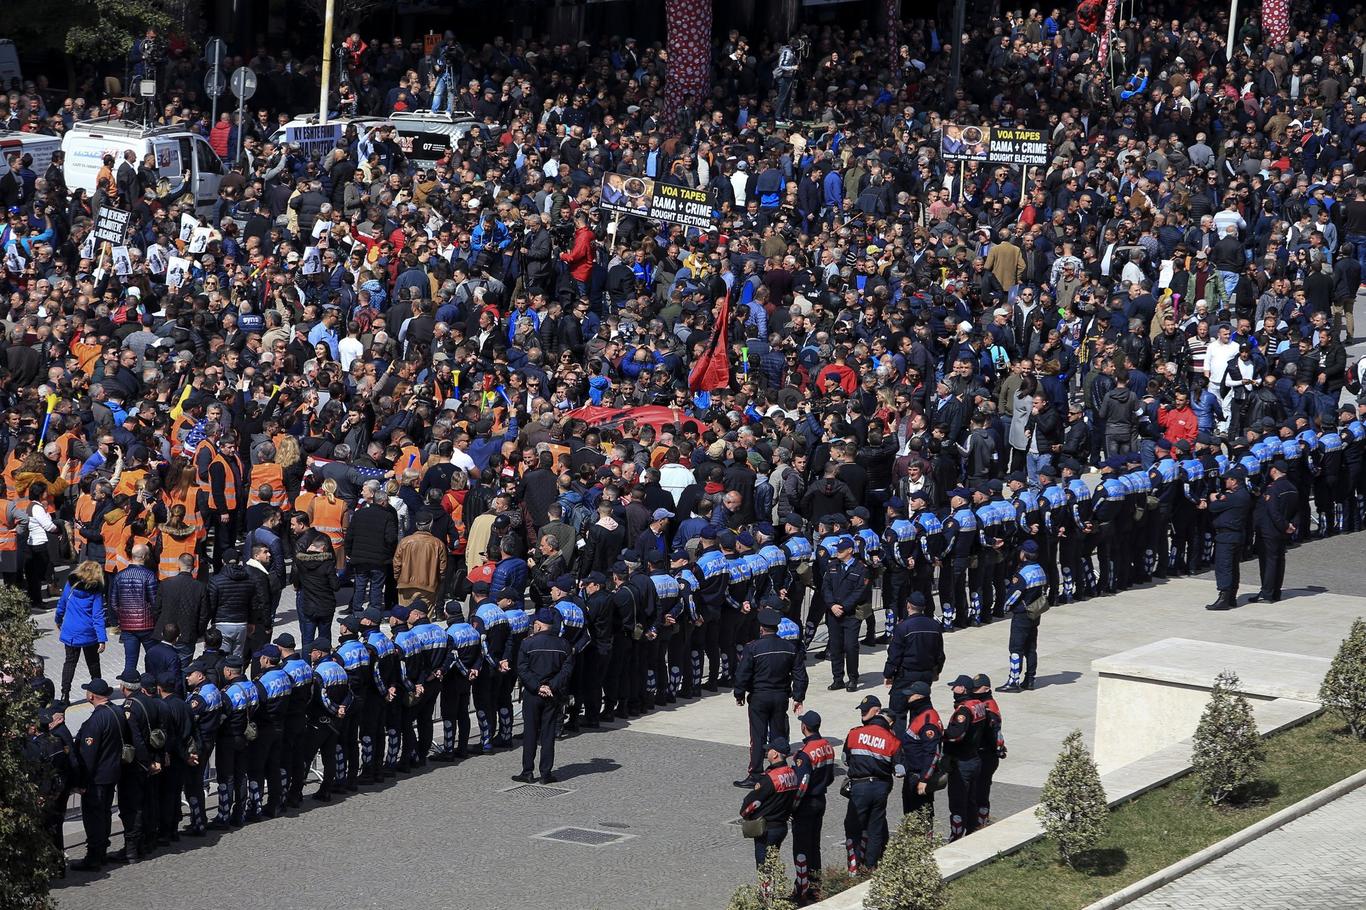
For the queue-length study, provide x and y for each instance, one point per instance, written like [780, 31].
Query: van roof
[111, 126]
[434, 116]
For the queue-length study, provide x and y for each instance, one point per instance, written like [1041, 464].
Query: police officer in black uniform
[963, 736]
[1229, 510]
[916, 654]
[135, 798]
[100, 745]
[922, 749]
[51, 753]
[872, 753]
[771, 799]
[180, 745]
[770, 671]
[1274, 520]
[814, 763]
[544, 664]
[844, 587]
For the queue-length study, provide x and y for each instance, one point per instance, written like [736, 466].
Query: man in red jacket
[579, 258]
[1178, 420]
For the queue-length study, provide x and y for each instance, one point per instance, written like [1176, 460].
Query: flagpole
[1232, 27]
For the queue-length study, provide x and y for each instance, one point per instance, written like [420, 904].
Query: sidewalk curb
[1226, 846]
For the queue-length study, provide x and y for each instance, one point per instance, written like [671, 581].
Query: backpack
[577, 515]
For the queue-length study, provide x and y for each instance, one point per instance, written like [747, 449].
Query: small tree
[908, 877]
[1073, 809]
[769, 892]
[1344, 687]
[1227, 745]
[27, 857]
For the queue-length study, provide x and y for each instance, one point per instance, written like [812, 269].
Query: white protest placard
[187, 226]
[123, 263]
[177, 272]
[156, 259]
[313, 261]
[199, 239]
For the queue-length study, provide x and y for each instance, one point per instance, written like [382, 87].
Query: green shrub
[908, 876]
[1072, 808]
[1227, 745]
[1344, 687]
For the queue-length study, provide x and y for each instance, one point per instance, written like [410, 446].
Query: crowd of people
[954, 391]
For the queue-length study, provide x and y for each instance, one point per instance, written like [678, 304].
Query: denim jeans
[369, 582]
[310, 628]
[1230, 280]
[1036, 462]
[234, 637]
[1359, 241]
[443, 99]
[131, 642]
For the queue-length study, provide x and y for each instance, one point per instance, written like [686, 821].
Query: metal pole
[217, 62]
[327, 63]
[1232, 27]
[956, 53]
[241, 133]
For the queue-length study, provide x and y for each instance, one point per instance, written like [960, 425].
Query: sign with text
[314, 140]
[1020, 147]
[421, 146]
[964, 143]
[112, 225]
[657, 201]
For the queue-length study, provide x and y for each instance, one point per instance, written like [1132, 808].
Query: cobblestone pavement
[1312, 862]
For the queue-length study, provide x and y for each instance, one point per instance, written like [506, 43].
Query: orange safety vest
[128, 481]
[12, 464]
[189, 499]
[70, 467]
[327, 519]
[304, 501]
[411, 459]
[172, 548]
[556, 450]
[85, 510]
[204, 445]
[9, 534]
[115, 534]
[183, 422]
[268, 473]
[229, 483]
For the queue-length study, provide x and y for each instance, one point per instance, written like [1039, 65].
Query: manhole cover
[586, 837]
[535, 791]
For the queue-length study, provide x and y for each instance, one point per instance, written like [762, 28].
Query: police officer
[435, 647]
[412, 658]
[844, 587]
[358, 659]
[916, 654]
[710, 600]
[206, 707]
[464, 664]
[326, 713]
[294, 735]
[814, 763]
[770, 671]
[101, 743]
[180, 740]
[597, 608]
[544, 665]
[1273, 519]
[960, 546]
[871, 753]
[1026, 599]
[992, 748]
[47, 746]
[135, 799]
[273, 687]
[772, 798]
[241, 699]
[800, 556]
[1229, 510]
[922, 749]
[963, 736]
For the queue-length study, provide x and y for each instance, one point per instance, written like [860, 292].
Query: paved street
[1313, 862]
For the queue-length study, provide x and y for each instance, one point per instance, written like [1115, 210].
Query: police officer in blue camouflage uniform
[1026, 599]
[294, 735]
[464, 664]
[869, 554]
[273, 686]
[709, 598]
[361, 663]
[492, 624]
[326, 713]
[235, 734]
[800, 556]
[380, 740]
[961, 544]
[206, 707]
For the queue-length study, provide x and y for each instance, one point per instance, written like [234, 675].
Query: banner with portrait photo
[971, 142]
[647, 198]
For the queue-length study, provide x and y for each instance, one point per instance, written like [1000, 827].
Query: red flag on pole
[1275, 21]
[712, 370]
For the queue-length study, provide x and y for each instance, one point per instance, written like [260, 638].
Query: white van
[10, 73]
[39, 146]
[177, 150]
[426, 136]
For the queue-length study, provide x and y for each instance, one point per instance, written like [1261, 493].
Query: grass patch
[1164, 826]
